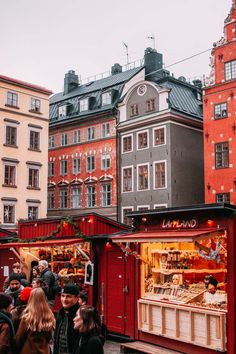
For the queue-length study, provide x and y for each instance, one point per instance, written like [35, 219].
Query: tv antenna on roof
[127, 51]
[152, 37]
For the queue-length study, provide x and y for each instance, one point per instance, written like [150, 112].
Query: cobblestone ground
[111, 347]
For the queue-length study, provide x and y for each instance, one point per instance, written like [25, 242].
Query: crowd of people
[29, 326]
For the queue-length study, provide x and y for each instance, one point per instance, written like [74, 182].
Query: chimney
[71, 81]
[153, 63]
[197, 83]
[116, 69]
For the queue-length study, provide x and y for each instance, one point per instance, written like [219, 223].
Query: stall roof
[169, 236]
[46, 243]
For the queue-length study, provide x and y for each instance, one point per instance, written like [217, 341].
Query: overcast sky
[41, 40]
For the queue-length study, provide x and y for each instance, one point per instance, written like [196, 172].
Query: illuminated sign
[179, 224]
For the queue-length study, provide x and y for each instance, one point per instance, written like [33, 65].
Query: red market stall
[154, 284]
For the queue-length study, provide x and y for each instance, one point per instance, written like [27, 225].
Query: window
[223, 198]
[142, 139]
[76, 166]
[10, 175]
[230, 70]
[106, 195]
[9, 214]
[35, 105]
[143, 178]
[159, 175]
[11, 133]
[143, 207]
[51, 199]
[83, 104]
[33, 178]
[105, 130]
[127, 143]
[127, 220]
[63, 198]
[63, 167]
[51, 142]
[159, 136]
[91, 196]
[34, 140]
[76, 138]
[90, 163]
[76, 197]
[133, 110]
[62, 111]
[160, 206]
[91, 133]
[105, 161]
[32, 212]
[222, 155]
[63, 139]
[221, 110]
[127, 179]
[106, 98]
[12, 99]
[51, 169]
[150, 105]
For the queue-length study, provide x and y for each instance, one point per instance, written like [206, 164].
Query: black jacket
[90, 343]
[49, 279]
[72, 334]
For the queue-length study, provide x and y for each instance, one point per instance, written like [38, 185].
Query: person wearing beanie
[212, 295]
[7, 333]
[15, 287]
[65, 334]
[20, 306]
[16, 269]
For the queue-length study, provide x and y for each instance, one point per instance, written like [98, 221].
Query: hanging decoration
[128, 251]
[209, 253]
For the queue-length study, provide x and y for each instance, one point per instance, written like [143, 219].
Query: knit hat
[25, 294]
[5, 301]
[213, 281]
[72, 289]
[14, 276]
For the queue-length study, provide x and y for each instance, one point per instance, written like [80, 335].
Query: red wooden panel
[7, 258]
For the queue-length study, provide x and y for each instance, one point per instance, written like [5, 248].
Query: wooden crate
[200, 326]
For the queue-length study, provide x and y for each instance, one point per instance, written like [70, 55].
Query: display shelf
[187, 271]
[172, 251]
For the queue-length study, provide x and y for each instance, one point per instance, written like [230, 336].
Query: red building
[219, 105]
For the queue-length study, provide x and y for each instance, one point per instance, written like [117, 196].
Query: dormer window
[106, 98]
[83, 105]
[62, 111]
[133, 110]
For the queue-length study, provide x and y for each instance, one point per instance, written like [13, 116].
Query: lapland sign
[179, 224]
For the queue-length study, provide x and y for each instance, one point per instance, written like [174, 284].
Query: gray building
[160, 133]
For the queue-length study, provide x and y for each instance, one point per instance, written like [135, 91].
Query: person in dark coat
[88, 324]
[47, 276]
[16, 269]
[7, 333]
[65, 333]
[15, 287]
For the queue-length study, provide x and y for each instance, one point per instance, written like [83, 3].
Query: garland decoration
[210, 254]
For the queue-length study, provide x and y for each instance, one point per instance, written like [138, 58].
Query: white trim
[137, 134]
[122, 144]
[143, 206]
[153, 135]
[137, 169]
[122, 176]
[122, 211]
[160, 205]
[154, 163]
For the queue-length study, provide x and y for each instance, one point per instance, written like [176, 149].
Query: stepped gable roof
[183, 96]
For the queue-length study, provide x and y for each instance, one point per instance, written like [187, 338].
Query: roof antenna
[152, 37]
[127, 51]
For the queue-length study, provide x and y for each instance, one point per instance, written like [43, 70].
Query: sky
[41, 40]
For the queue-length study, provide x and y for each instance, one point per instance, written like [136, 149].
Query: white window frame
[76, 170]
[32, 167]
[106, 194]
[154, 163]
[32, 205]
[83, 105]
[137, 169]
[95, 193]
[132, 143]
[90, 133]
[62, 173]
[153, 135]
[78, 196]
[76, 136]
[137, 140]
[12, 125]
[13, 164]
[122, 211]
[51, 191]
[106, 98]
[35, 104]
[143, 206]
[60, 195]
[132, 179]
[64, 139]
[89, 163]
[51, 141]
[51, 163]
[38, 131]
[9, 203]
[106, 130]
[17, 101]
[62, 111]
[104, 158]
[160, 206]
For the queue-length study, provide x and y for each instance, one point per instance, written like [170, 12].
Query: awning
[46, 243]
[170, 236]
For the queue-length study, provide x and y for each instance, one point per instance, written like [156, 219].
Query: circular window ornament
[142, 89]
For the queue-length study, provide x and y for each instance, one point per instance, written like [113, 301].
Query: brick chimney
[71, 81]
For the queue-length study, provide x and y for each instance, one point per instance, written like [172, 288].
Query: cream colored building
[24, 115]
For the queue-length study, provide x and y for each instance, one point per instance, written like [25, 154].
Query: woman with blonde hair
[37, 323]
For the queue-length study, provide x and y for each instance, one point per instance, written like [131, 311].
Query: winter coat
[72, 334]
[14, 294]
[16, 315]
[29, 342]
[49, 279]
[89, 343]
[7, 334]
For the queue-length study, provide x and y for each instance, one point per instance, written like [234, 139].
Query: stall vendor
[212, 295]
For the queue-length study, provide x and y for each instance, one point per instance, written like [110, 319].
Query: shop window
[64, 139]
[51, 142]
[11, 134]
[12, 99]
[91, 133]
[51, 169]
[142, 139]
[105, 130]
[8, 214]
[76, 197]
[63, 167]
[76, 137]
[127, 143]
[159, 175]
[9, 175]
[143, 177]
[106, 194]
[127, 179]
[51, 199]
[222, 155]
[34, 140]
[220, 110]
[62, 110]
[127, 220]
[33, 178]
[230, 70]
[63, 198]
[223, 198]
[32, 212]
[90, 196]
[76, 166]
[35, 105]
[90, 163]
[105, 161]
[150, 105]
[134, 110]
[83, 105]
[106, 98]
[159, 136]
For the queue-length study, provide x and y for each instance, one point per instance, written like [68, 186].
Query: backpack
[56, 285]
